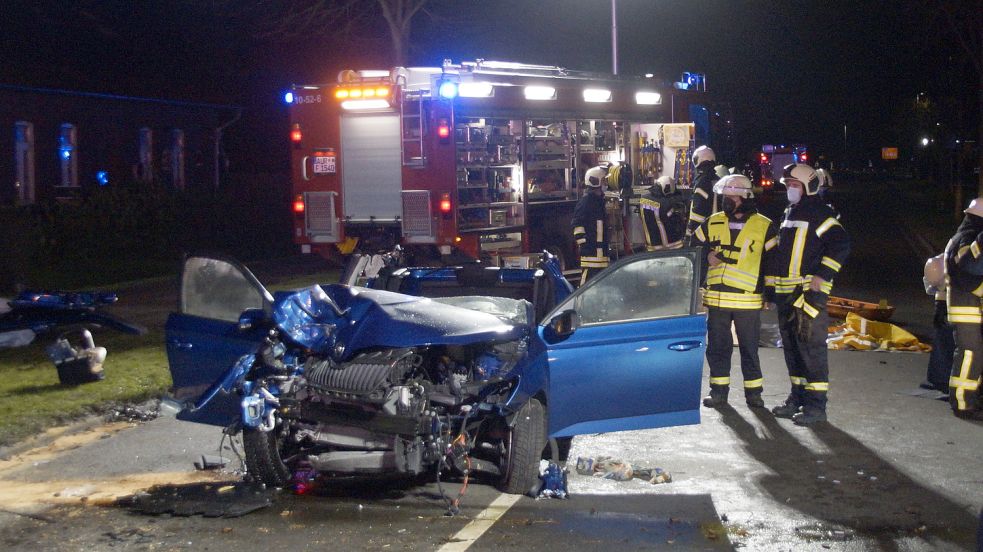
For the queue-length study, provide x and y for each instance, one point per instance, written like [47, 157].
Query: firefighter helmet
[721, 171]
[702, 155]
[825, 179]
[734, 185]
[934, 278]
[595, 176]
[975, 207]
[666, 184]
[804, 174]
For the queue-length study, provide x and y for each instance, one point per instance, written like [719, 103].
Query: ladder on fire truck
[411, 125]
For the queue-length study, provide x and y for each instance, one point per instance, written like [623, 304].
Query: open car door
[205, 339]
[625, 351]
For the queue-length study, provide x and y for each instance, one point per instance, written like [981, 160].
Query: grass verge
[32, 399]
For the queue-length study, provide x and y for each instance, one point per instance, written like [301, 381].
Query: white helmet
[595, 177]
[934, 278]
[721, 171]
[734, 185]
[975, 207]
[702, 155]
[825, 179]
[667, 184]
[804, 174]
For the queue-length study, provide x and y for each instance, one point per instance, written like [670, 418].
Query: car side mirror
[250, 318]
[563, 324]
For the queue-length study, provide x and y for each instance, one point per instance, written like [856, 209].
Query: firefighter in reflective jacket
[964, 276]
[703, 203]
[812, 247]
[738, 239]
[588, 225]
[663, 215]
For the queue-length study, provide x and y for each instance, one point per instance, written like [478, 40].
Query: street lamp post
[614, 36]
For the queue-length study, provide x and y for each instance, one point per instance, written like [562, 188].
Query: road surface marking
[481, 523]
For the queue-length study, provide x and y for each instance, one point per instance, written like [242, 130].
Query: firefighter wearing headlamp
[738, 239]
[812, 247]
[964, 278]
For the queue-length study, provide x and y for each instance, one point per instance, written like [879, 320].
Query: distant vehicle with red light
[772, 161]
[477, 159]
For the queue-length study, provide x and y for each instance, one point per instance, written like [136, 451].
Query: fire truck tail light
[445, 203]
[382, 91]
[341, 93]
[299, 204]
[295, 134]
[444, 131]
[355, 93]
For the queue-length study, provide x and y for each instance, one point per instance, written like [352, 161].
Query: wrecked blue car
[430, 370]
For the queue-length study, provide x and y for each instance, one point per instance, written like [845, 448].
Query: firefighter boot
[753, 398]
[717, 396]
[809, 416]
[813, 409]
[791, 405]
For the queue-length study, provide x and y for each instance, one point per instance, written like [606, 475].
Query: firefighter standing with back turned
[738, 238]
[663, 215]
[588, 225]
[703, 203]
[964, 276]
[812, 247]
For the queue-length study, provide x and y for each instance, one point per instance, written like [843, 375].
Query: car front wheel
[524, 447]
[264, 455]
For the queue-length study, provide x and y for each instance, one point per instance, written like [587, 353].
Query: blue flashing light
[447, 90]
[102, 177]
[288, 97]
[66, 153]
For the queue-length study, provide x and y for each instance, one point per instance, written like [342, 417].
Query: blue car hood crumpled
[319, 317]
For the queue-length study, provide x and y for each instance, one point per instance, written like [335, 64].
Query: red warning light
[299, 204]
[445, 203]
[444, 131]
[805, 157]
[296, 135]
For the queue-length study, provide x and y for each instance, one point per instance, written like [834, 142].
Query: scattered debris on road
[607, 467]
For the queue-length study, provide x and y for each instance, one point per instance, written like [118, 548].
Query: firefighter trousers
[720, 346]
[805, 352]
[964, 381]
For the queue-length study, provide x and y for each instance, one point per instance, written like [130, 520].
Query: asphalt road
[891, 471]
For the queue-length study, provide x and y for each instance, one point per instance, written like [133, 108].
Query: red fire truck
[478, 158]
[773, 159]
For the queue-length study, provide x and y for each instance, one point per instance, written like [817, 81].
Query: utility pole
[614, 36]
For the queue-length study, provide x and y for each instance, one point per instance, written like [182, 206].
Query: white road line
[471, 532]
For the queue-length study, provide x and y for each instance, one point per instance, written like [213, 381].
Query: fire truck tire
[525, 444]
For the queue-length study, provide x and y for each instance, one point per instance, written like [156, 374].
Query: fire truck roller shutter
[371, 167]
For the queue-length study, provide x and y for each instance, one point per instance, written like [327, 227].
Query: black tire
[524, 447]
[263, 458]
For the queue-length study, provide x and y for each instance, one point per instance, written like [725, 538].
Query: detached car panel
[342, 379]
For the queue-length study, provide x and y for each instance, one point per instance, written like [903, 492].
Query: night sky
[792, 71]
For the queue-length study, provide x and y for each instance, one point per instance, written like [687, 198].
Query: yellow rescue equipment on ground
[861, 334]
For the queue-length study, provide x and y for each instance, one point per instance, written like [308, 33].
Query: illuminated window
[24, 162]
[68, 156]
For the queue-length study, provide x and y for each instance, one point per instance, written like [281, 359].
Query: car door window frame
[692, 253]
[265, 297]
